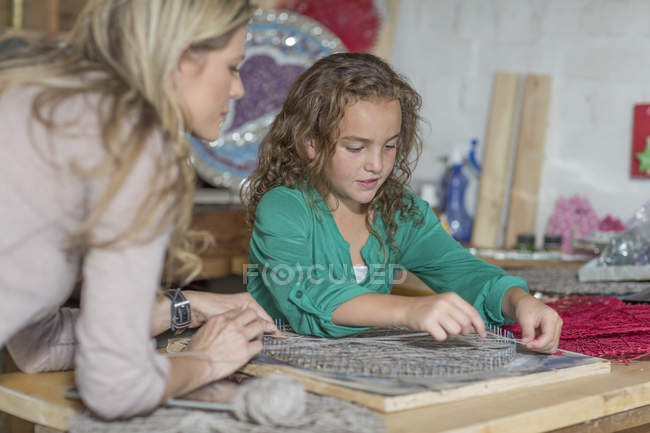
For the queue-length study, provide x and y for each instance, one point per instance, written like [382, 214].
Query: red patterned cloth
[355, 22]
[602, 326]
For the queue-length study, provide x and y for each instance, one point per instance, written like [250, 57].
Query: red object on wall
[356, 22]
[640, 135]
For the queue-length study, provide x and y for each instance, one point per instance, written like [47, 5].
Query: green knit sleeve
[444, 265]
[283, 276]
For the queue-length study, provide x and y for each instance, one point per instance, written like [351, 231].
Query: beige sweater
[107, 341]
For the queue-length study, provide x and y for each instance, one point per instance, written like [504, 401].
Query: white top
[118, 373]
[360, 272]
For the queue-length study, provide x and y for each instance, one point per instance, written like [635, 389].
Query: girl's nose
[373, 162]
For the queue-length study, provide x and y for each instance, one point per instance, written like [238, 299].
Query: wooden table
[602, 404]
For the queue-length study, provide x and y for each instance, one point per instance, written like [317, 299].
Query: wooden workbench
[616, 401]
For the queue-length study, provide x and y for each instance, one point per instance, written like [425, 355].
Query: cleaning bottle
[460, 223]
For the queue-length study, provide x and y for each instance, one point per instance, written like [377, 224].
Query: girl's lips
[368, 183]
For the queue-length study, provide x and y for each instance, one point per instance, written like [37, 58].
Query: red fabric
[602, 326]
[355, 22]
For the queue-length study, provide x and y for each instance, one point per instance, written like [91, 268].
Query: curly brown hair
[312, 112]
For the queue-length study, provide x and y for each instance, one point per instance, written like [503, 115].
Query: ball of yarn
[276, 399]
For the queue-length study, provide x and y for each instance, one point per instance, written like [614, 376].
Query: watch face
[280, 46]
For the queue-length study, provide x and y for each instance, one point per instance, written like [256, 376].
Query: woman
[96, 184]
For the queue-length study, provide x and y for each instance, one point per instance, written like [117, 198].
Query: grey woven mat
[322, 415]
[564, 281]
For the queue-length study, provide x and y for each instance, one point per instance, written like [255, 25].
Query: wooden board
[37, 403]
[227, 225]
[530, 155]
[488, 222]
[526, 410]
[396, 394]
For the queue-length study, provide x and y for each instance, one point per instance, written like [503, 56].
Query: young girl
[333, 222]
[96, 183]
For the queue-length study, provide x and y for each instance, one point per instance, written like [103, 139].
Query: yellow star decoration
[644, 158]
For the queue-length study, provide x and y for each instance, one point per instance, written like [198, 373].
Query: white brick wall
[598, 53]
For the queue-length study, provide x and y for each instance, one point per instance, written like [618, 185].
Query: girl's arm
[447, 315]
[540, 324]
[443, 316]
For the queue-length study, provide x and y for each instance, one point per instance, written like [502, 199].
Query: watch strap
[180, 311]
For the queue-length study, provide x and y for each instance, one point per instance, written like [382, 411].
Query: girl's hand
[228, 341]
[443, 316]
[205, 305]
[541, 326]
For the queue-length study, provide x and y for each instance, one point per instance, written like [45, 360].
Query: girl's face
[365, 151]
[205, 83]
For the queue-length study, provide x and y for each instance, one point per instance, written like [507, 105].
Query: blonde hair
[135, 45]
[312, 112]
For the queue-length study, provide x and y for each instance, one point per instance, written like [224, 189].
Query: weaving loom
[393, 352]
[438, 378]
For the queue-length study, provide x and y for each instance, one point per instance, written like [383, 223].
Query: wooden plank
[534, 409]
[488, 228]
[227, 225]
[530, 155]
[530, 409]
[634, 420]
[386, 37]
[5, 13]
[390, 395]
[35, 402]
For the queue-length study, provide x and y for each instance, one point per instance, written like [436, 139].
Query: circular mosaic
[280, 46]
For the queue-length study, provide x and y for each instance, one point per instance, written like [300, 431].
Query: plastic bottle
[460, 223]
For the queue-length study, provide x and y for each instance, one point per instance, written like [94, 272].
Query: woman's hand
[228, 341]
[541, 326]
[443, 316]
[205, 305]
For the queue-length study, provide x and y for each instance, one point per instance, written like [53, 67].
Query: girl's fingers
[437, 332]
[451, 327]
[475, 318]
[464, 320]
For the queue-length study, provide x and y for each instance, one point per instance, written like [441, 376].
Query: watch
[181, 313]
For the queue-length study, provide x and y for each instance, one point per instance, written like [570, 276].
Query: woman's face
[206, 82]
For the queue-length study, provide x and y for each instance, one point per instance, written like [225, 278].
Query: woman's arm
[222, 345]
[204, 305]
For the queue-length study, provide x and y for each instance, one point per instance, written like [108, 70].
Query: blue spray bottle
[460, 223]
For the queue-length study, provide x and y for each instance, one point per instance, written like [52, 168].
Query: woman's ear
[187, 65]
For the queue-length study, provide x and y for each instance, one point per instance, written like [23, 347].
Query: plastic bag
[631, 247]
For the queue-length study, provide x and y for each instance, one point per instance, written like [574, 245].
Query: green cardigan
[301, 270]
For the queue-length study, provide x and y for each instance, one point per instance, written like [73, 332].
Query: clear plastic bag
[631, 247]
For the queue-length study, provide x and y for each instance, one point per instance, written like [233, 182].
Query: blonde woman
[96, 184]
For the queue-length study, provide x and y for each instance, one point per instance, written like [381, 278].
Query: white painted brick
[596, 52]
[607, 59]
[614, 18]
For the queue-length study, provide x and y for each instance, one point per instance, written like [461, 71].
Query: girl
[95, 182]
[332, 220]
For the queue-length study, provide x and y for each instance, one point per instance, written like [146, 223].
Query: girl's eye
[354, 149]
[391, 146]
[234, 68]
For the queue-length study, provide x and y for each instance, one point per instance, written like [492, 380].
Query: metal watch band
[181, 313]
